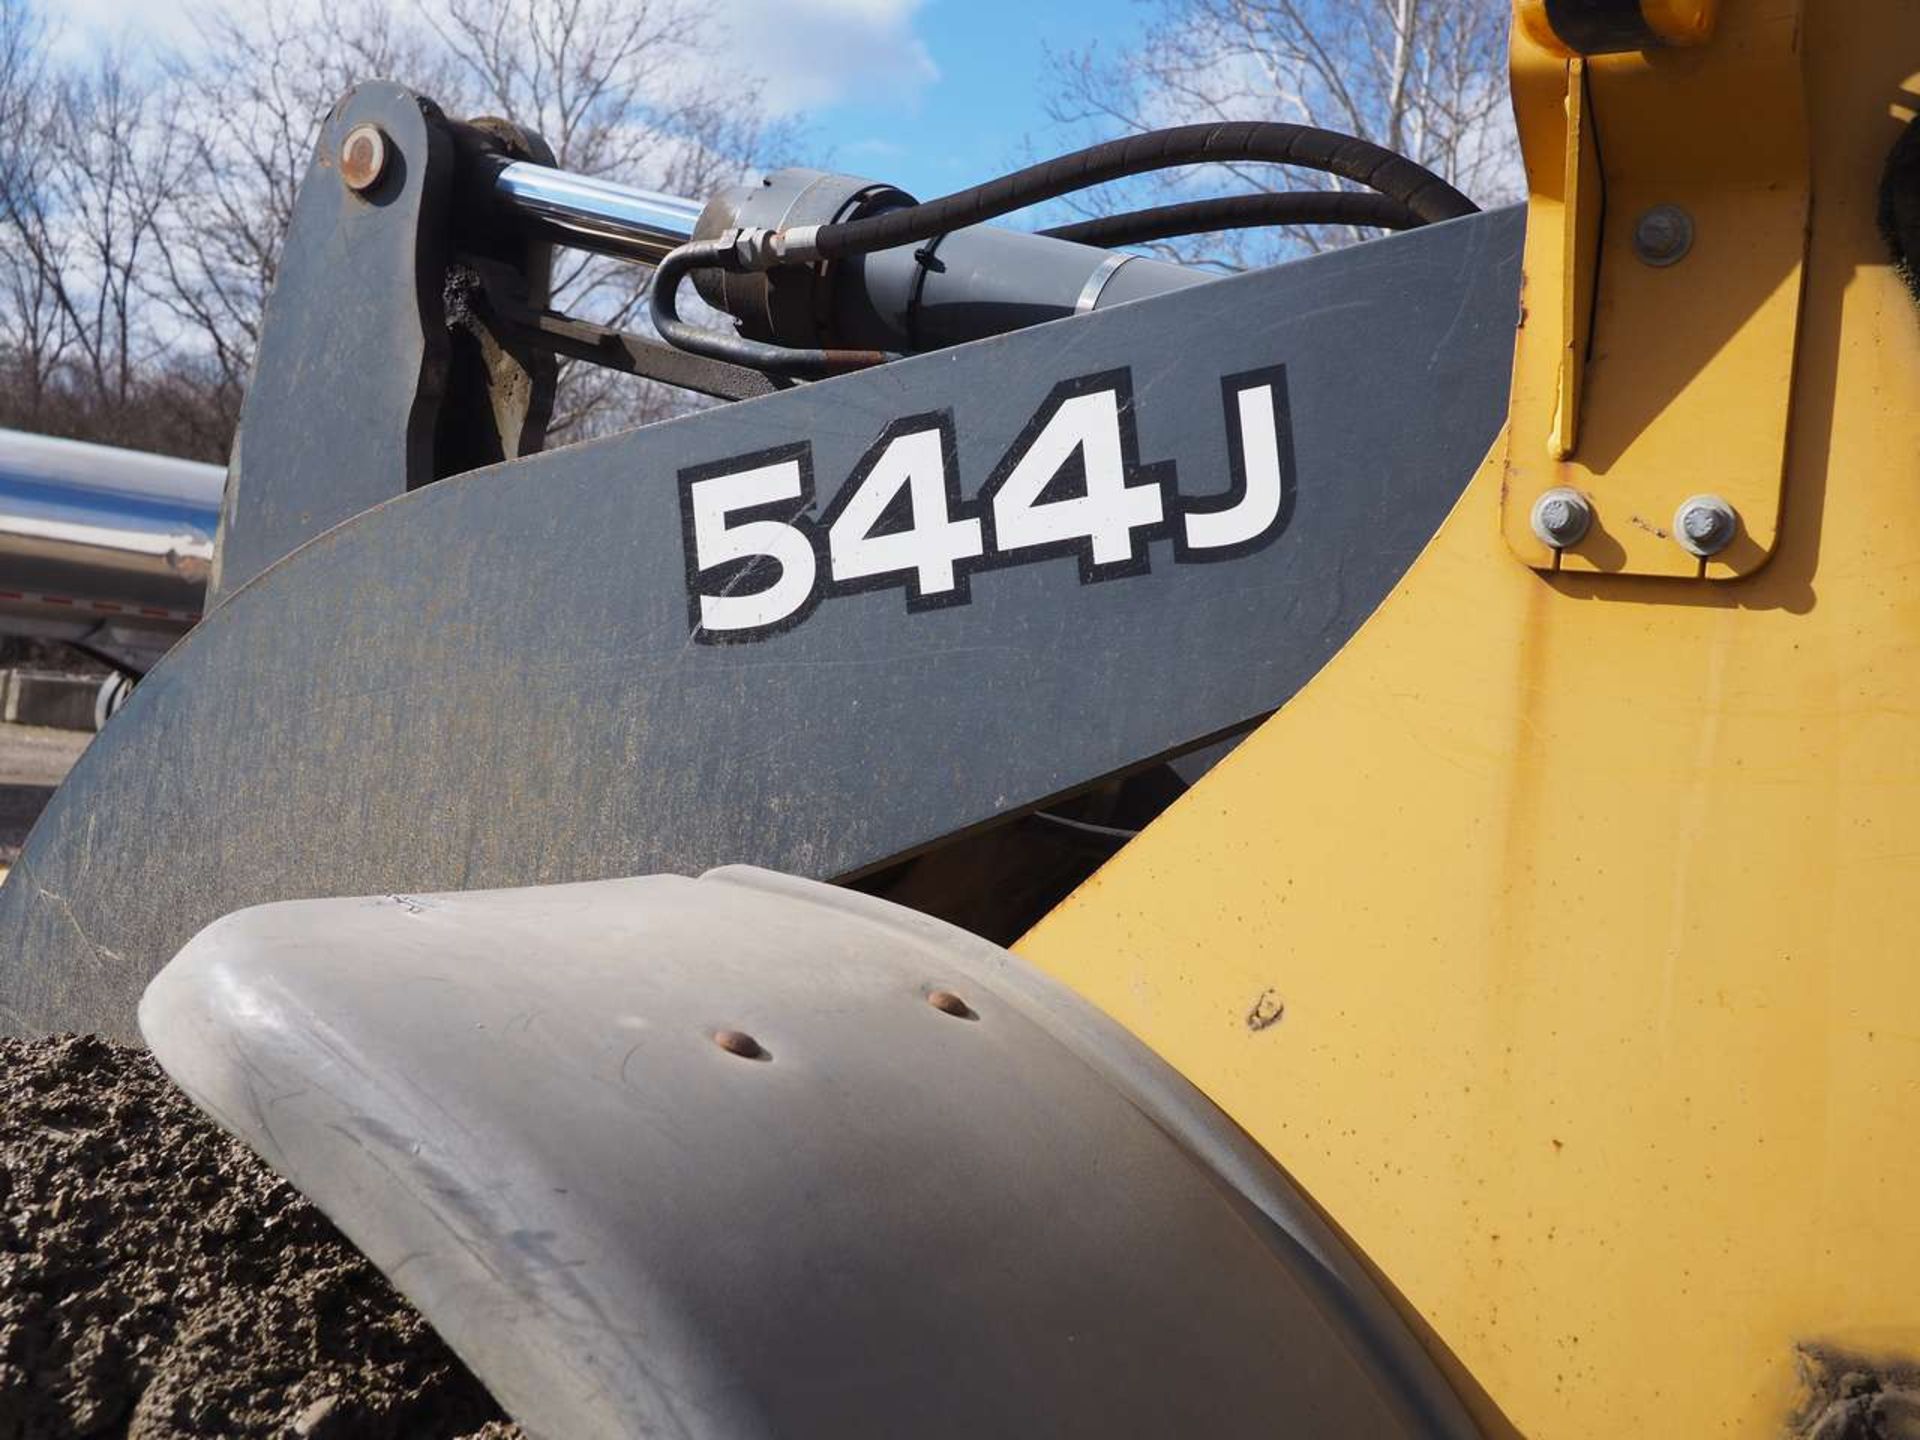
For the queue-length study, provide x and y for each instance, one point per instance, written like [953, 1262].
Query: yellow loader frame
[1562, 938]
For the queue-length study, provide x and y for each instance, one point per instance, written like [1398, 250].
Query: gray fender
[913, 1188]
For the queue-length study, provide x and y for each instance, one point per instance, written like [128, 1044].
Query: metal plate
[1682, 384]
[893, 1219]
[355, 327]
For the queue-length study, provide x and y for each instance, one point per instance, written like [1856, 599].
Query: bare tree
[256, 94]
[112, 143]
[1425, 78]
[90, 159]
[32, 330]
[604, 82]
[143, 207]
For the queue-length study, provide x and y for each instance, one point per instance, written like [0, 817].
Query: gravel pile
[158, 1281]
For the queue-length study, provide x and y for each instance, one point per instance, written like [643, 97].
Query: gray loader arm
[853, 630]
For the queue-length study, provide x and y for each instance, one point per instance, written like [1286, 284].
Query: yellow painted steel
[1591, 903]
[1681, 22]
[1660, 382]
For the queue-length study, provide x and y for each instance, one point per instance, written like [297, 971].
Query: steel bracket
[375, 375]
[1646, 373]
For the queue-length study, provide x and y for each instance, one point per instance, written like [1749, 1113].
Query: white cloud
[811, 54]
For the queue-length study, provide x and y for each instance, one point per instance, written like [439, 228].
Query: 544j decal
[760, 558]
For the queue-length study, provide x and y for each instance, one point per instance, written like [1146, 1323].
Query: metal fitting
[1562, 517]
[797, 244]
[751, 249]
[363, 158]
[1663, 235]
[1705, 525]
[748, 249]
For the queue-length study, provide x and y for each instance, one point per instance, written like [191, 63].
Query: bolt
[738, 1042]
[948, 1003]
[363, 158]
[1663, 235]
[1562, 517]
[1705, 525]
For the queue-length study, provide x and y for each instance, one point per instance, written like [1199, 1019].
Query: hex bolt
[363, 158]
[1663, 235]
[1562, 517]
[948, 1003]
[738, 1042]
[1705, 525]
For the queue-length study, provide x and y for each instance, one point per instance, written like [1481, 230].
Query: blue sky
[970, 120]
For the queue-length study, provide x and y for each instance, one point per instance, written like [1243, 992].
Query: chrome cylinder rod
[599, 215]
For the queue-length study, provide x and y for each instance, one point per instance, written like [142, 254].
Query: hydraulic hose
[1262, 141]
[1406, 194]
[1241, 212]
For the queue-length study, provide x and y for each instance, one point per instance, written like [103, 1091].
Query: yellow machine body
[1561, 938]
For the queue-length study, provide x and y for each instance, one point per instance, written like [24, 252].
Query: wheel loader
[1092, 849]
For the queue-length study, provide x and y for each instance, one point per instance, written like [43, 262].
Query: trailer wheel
[111, 696]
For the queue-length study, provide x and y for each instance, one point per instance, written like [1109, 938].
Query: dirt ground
[157, 1281]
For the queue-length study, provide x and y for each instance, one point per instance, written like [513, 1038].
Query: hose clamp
[1097, 282]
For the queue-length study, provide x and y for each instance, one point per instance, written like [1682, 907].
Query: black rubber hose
[664, 308]
[1263, 141]
[1242, 212]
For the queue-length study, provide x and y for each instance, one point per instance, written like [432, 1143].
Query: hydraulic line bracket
[1668, 178]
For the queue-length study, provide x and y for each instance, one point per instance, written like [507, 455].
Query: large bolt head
[1663, 235]
[363, 158]
[1562, 517]
[1705, 525]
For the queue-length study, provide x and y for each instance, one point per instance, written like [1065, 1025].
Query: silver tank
[103, 548]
